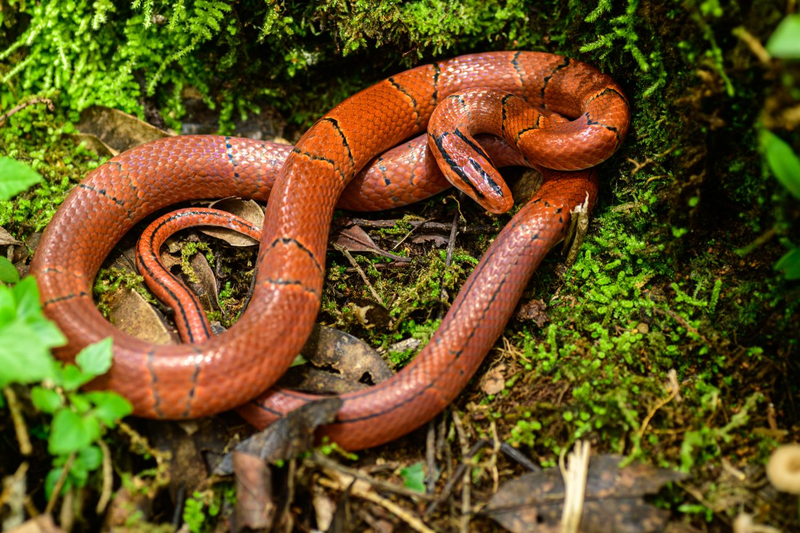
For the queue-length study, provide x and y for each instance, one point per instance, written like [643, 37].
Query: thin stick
[326, 462]
[574, 485]
[466, 491]
[20, 428]
[108, 478]
[408, 234]
[430, 457]
[673, 391]
[754, 44]
[370, 495]
[66, 517]
[459, 472]
[23, 105]
[363, 275]
[516, 455]
[377, 250]
[451, 245]
[60, 484]
[472, 229]
[493, 461]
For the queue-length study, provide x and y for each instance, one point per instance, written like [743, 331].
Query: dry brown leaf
[246, 209]
[353, 238]
[116, 130]
[288, 437]
[439, 241]
[614, 499]
[133, 315]
[494, 382]
[255, 507]
[206, 286]
[533, 310]
[93, 143]
[355, 363]
[6, 238]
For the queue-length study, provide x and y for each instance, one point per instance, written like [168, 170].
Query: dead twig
[697, 495]
[287, 518]
[430, 457]
[383, 266]
[451, 245]
[516, 455]
[66, 517]
[649, 160]
[59, 484]
[408, 234]
[472, 229]
[23, 105]
[341, 482]
[682, 321]
[457, 475]
[375, 249]
[753, 44]
[673, 388]
[379, 484]
[20, 428]
[466, 492]
[360, 271]
[574, 485]
[108, 478]
[496, 444]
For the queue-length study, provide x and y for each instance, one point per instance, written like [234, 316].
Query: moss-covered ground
[677, 271]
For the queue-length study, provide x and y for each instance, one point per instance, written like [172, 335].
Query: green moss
[189, 250]
[658, 284]
[111, 280]
[36, 138]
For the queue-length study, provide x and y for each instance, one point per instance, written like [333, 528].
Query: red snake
[194, 380]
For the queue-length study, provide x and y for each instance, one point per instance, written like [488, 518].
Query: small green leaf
[78, 474]
[783, 162]
[71, 432]
[8, 305]
[80, 402]
[95, 359]
[110, 406]
[26, 293]
[789, 264]
[785, 40]
[72, 378]
[48, 333]
[15, 177]
[8, 272]
[414, 477]
[51, 480]
[90, 458]
[46, 400]
[24, 358]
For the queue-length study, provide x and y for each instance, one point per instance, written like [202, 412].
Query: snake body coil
[227, 371]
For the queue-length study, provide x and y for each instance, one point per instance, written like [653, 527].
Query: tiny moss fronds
[626, 27]
[658, 285]
[111, 280]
